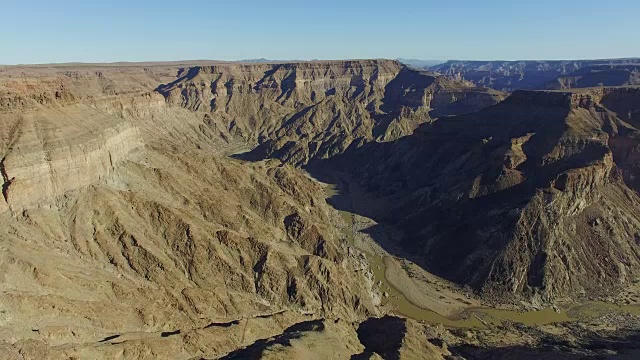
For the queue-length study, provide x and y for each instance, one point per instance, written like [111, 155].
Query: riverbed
[436, 301]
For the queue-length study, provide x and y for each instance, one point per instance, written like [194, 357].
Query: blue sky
[117, 30]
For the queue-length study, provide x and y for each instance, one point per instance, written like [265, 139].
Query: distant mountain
[273, 61]
[420, 63]
[260, 60]
[520, 75]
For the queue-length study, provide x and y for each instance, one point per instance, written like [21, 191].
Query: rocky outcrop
[53, 155]
[396, 338]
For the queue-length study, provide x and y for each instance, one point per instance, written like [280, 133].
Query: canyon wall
[542, 74]
[533, 197]
[123, 218]
[312, 110]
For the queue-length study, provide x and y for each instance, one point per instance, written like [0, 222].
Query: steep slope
[126, 232]
[318, 109]
[535, 196]
[519, 75]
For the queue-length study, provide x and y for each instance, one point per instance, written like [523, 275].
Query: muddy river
[473, 316]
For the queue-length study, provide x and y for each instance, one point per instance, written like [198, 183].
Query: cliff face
[65, 128]
[52, 154]
[534, 196]
[301, 111]
[598, 75]
[532, 75]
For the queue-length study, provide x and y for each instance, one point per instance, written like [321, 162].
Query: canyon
[245, 210]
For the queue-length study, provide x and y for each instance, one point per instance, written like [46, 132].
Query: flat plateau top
[177, 63]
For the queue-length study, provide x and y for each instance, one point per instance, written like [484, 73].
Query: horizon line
[273, 61]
